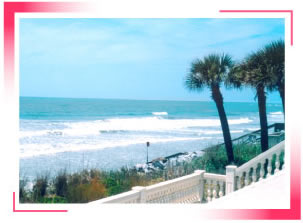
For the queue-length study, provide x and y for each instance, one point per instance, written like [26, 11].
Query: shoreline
[114, 159]
[75, 187]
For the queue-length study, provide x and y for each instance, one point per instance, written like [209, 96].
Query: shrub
[40, 187]
[244, 153]
[85, 186]
[60, 184]
[23, 194]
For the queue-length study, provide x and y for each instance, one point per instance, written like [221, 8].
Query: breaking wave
[120, 125]
[159, 113]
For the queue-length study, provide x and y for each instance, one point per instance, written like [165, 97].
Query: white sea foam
[143, 124]
[24, 133]
[160, 113]
[239, 121]
[53, 132]
[252, 129]
[276, 117]
[276, 113]
[32, 149]
[97, 127]
[215, 132]
[72, 136]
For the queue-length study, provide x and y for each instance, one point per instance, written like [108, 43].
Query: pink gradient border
[10, 8]
[294, 213]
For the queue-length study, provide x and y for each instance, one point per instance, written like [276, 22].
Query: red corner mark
[267, 11]
[14, 208]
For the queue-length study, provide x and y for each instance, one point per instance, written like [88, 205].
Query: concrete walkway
[269, 193]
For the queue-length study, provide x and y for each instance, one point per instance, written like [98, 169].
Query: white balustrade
[215, 185]
[239, 179]
[277, 163]
[201, 186]
[262, 172]
[254, 174]
[221, 188]
[269, 167]
[253, 164]
[128, 197]
[186, 189]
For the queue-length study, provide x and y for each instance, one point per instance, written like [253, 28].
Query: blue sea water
[70, 134]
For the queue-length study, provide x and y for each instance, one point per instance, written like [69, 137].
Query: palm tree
[254, 72]
[274, 56]
[211, 72]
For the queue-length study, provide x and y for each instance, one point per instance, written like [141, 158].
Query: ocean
[72, 134]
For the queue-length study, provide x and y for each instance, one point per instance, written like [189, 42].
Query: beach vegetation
[40, 187]
[23, 194]
[60, 184]
[89, 185]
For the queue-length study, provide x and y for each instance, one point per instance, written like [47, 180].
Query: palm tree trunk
[282, 95]
[217, 96]
[263, 118]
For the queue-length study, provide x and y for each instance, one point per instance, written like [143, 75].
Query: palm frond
[211, 70]
[259, 69]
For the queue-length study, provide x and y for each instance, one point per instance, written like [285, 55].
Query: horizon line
[132, 99]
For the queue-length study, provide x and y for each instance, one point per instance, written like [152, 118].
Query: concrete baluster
[262, 172]
[269, 168]
[238, 182]
[209, 190]
[214, 191]
[221, 189]
[254, 175]
[246, 179]
[277, 163]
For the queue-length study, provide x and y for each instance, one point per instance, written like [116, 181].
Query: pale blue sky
[132, 58]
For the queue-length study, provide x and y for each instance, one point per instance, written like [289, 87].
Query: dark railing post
[147, 145]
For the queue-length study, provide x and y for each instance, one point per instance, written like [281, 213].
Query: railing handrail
[120, 197]
[243, 136]
[191, 183]
[173, 181]
[220, 144]
[213, 176]
[261, 156]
